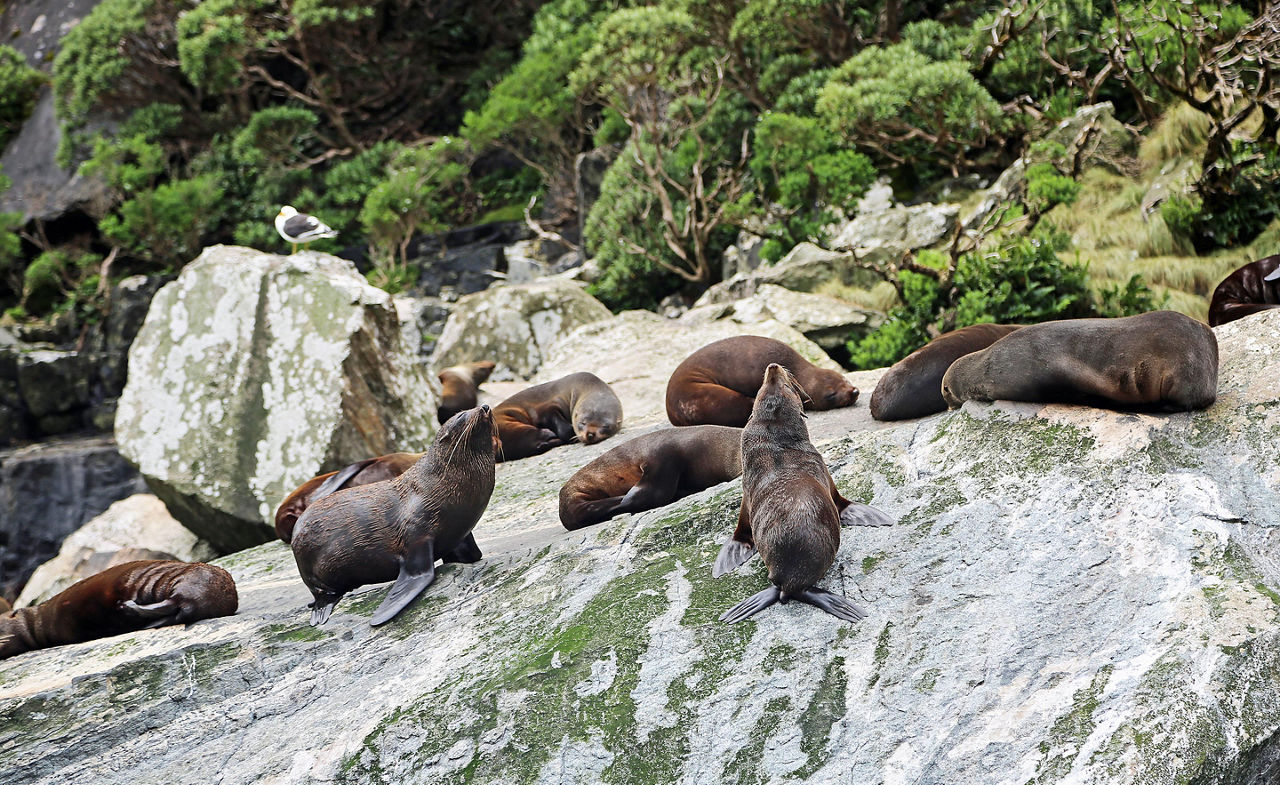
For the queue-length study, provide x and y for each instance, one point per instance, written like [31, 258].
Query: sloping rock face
[1070, 595]
[825, 320]
[803, 269]
[253, 373]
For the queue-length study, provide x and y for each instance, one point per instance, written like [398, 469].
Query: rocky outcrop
[804, 269]
[1069, 595]
[515, 326]
[907, 228]
[462, 261]
[827, 321]
[48, 491]
[253, 373]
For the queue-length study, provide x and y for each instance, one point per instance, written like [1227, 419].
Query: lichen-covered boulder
[515, 326]
[805, 268]
[906, 227]
[827, 321]
[254, 372]
[1070, 595]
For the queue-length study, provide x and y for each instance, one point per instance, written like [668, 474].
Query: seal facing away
[578, 407]
[384, 467]
[458, 384]
[1253, 288]
[398, 528]
[913, 386]
[136, 595]
[717, 384]
[1153, 361]
[791, 511]
[651, 471]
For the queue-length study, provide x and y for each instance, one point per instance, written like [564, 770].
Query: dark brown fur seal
[1253, 288]
[398, 528]
[651, 471]
[791, 510]
[717, 384]
[1154, 361]
[384, 467]
[913, 386]
[578, 407]
[134, 596]
[458, 385]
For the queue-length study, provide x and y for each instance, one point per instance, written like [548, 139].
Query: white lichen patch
[672, 650]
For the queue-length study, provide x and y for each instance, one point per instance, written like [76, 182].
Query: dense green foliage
[19, 84]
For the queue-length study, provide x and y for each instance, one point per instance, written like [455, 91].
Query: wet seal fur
[791, 510]
[579, 407]
[913, 386]
[398, 528]
[459, 385]
[651, 471]
[133, 596]
[1250, 289]
[717, 384]
[370, 470]
[1158, 361]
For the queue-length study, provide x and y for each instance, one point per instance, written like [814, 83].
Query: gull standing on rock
[296, 227]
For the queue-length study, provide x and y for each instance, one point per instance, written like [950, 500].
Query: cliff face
[1070, 595]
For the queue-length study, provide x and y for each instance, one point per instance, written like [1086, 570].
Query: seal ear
[417, 571]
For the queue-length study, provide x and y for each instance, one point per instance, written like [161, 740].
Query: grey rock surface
[255, 372]
[916, 226]
[803, 269]
[1070, 595]
[825, 320]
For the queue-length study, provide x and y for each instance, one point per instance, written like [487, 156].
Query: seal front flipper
[417, 571]
[467, 552]
[831, 603]
[733, 555]
[322, 607]
[751, 605]
[864, 515]
[160, 613]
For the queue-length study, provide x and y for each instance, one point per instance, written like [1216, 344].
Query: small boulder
[825, 320]
[804, 269]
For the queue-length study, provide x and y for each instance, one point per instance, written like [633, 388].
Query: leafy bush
[422, 193]
[167, 224]
[55, 274]
[19, 85]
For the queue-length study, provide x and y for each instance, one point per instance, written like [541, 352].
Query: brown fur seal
[458, 385]
[134, 596]
[1159, 361]
[578, 407]
[1253, 288]
[384, 467]
[913, 386]
[791, 510]
[717, 384]
[651, 471]
[398, 528]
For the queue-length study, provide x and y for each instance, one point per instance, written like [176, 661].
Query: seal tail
[417, 572]
[751, 605]
[831, 603]
[864, 515]
[733, 555]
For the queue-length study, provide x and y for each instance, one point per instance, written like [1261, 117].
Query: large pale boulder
[515, 326]
[254, 372]
[827, 321]
[805, 268]
[1070, 596]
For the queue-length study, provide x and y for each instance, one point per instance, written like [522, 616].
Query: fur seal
[1160, 360]
[651, 471]
[384, 467]
[137, 595]
[398, 528]
[1250, 289]
[578, 407]
[913, 386]
[791, 510]
[458, 385]
[717, 384]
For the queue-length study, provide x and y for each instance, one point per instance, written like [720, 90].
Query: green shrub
[166, 225]
[19, 85]
[273, 136]
[52, 276]
[423, 192]
[1133, 298]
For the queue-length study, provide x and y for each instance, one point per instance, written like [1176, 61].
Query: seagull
[296, 227]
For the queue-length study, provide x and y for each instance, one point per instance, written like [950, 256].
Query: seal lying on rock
[578, 407]
[384, 467]
[458, 385]
[398, 528]
[717, 384]
[133, 596]
[1250, 289]
[913, 386]
[1160, 360]
[651, 471]
[791, 510]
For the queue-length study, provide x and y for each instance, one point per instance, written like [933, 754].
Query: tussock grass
[1194, 275]
[880, 297]
[1181, 133]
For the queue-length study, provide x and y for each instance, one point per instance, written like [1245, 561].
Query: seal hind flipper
[733, 555]
[864, 515]
[339, 479]
[162, 611]
[417, 571]
[831, 603]
[1274, 276]
[751, 605]
[467, 552]
[322, 608]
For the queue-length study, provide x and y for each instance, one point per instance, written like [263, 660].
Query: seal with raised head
[791, 510]
[137, 595]
[717, 384]
[1160, 360]
[384, 467]
[913, 386]
[398, 528]
[1250, 289]
[578, 407]
[651, 471]
[458, 385]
